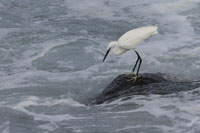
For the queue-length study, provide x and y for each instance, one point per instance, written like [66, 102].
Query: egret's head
[110, 45]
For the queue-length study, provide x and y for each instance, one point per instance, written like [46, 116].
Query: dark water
[51, 65]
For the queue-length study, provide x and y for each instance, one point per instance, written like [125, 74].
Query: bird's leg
[132, 73]
[136, 76]
[133, 78]
[139, 63]
[136, 64]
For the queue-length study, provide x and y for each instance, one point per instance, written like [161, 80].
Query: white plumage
[130, 40]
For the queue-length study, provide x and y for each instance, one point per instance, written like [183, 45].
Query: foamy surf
[51, 65]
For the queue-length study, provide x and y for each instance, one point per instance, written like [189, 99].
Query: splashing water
[51, 65]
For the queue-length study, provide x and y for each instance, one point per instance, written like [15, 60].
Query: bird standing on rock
[129, 41]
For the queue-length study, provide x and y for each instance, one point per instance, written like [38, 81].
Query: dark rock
[147, 84]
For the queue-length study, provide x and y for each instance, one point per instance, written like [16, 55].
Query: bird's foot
[133, 78]
[130, 74]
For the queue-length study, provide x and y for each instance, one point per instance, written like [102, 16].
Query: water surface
[51, 65]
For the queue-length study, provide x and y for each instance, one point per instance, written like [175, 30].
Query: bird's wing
[132, 38]
[118, 50]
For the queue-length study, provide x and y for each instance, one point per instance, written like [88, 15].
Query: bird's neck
[113, 44]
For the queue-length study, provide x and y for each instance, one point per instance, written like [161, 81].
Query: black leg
[139, 66]
[139, 58]
[135, 64]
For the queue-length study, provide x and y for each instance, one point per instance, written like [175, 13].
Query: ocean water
[51, 65]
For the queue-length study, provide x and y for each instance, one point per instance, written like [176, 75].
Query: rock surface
[147, 84]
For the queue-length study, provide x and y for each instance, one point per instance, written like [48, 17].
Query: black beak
[106, 54]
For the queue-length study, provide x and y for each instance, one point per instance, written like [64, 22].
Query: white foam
[49, 127]
[167, 129]
[173, 6]
[35, 101]
[51, 119]
[5, 31]
[20, 76]
[4, 127]
[182, 109]
[91, 9]
[176, 32]
[77, 131]
[49, 45]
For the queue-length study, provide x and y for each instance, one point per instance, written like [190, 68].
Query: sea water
[51, 65]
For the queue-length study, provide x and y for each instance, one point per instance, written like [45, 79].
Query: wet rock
[148, 83]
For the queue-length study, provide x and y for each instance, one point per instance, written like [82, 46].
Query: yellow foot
[130, 74]
[134, 78]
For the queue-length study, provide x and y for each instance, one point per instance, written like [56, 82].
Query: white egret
[129, 41]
